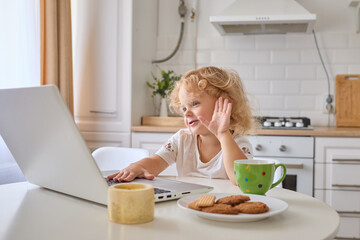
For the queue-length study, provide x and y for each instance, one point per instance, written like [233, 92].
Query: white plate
[276, 206]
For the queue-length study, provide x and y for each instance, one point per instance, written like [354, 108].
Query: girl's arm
[145, 168]
[231, 152]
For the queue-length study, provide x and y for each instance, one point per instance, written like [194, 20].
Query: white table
[30, 212]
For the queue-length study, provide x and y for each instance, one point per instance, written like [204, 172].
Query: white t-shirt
[182, 150]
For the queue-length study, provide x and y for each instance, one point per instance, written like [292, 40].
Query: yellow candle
[131, 203]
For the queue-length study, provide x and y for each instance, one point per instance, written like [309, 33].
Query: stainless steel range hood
[264, 17]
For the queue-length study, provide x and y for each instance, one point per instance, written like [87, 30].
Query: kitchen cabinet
[296, 152]
[153, 142]
[111, 59]
[337, 180]
[102, 71]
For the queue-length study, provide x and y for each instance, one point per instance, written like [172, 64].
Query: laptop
[42, 136]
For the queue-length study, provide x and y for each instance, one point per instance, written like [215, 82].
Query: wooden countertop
[316, 132]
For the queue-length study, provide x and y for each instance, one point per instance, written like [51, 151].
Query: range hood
[264, 17]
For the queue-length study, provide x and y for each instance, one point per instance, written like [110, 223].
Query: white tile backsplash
[354, 41]
[239, 42]
[257, 87]
[299, 102]
[210, 43]
[313, 87]
[271, 102]
[310, 56]
[300, 41]
[301, 72]
[162, 43]
[285, 87]
[224, 57]
[255, 57]
[270, 42]
[333, 40]
[332, 70]
[285, 57]
[347, 56]
[186, 57]
[354, 69]
[270, 72]
[246, 72]
[282, 73]
[203, 57]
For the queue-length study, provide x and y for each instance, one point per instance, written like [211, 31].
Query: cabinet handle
[346, 238]
[282, 148]
[102, 112]
[294, 166]
[348, 212]
[258, 147]
[345, 160]
[345, 185]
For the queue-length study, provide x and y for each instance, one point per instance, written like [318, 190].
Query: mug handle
[282, 176]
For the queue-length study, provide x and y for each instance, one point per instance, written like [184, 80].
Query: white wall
[282, 73]
[144, 39]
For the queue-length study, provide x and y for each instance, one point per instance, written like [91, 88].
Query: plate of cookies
[233, 208]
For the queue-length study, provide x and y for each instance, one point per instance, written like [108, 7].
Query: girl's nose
[187, 113]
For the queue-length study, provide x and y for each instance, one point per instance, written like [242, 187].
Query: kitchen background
[282, 73]
[115, 41]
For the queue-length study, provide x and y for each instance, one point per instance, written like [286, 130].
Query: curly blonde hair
[218, 82]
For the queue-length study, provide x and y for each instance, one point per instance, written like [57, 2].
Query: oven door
[299, 174]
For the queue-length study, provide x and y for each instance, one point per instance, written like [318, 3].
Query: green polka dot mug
[257, 176]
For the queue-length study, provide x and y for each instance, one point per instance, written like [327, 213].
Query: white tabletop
[30, 212]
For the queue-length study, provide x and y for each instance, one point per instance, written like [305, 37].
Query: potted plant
[163, 88]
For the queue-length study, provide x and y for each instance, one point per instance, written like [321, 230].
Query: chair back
[117, 158]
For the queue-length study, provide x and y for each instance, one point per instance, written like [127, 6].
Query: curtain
[56, 47]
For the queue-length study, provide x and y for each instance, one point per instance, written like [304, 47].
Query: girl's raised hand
[220, 121]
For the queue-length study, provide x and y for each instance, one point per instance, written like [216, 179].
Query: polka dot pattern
[246, 179]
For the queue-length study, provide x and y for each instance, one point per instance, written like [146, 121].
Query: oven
[297, 153]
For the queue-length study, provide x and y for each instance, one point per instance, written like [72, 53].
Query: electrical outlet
[328, 107]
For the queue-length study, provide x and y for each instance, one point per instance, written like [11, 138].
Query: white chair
[278, 171]
[117, 158]
[109, 159]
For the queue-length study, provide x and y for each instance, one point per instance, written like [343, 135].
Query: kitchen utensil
[347, 104]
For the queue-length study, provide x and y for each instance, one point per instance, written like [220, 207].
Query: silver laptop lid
[41, 134]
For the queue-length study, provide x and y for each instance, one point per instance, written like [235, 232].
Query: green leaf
[164, 86]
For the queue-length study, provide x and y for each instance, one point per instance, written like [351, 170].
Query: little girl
[217, 114]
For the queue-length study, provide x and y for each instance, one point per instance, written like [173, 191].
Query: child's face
[194, 104]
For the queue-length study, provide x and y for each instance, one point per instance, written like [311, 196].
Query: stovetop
[286, 123]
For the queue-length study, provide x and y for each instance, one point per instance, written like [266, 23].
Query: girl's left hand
[220, 121]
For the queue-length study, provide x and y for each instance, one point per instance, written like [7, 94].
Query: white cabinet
[102, 34]
[337, 180]
[113, 44]
[152, 142]
[102, 64]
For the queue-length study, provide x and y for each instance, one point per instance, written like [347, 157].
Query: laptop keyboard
[156, 190]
